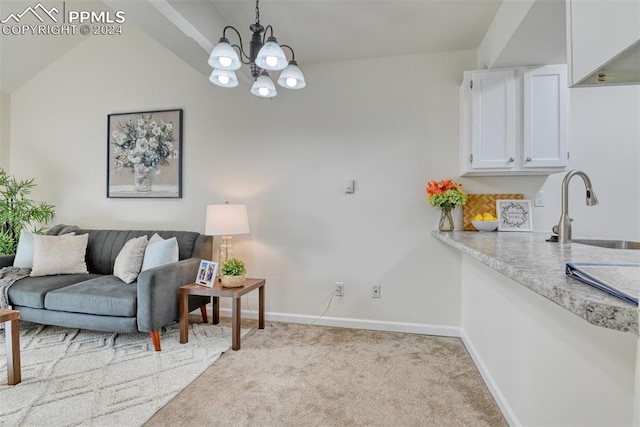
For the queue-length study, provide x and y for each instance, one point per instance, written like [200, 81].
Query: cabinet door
[493, 112]
[545, 141]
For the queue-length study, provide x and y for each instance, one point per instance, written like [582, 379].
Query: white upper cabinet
[603, 41]
[546, 138]
[493, 107]
[514, 121]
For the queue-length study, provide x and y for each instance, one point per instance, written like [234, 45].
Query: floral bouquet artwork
[140, 143]
[446, 195]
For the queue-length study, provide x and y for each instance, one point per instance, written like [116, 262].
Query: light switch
[349, 186]
[539, 199]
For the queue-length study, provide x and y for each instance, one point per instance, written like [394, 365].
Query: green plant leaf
[233, 267]
[18, 212]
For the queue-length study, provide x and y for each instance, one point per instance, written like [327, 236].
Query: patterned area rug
[74, 377]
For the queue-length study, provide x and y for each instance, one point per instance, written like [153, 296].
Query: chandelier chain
[257, 12]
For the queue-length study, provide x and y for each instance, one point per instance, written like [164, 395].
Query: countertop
[540, 266]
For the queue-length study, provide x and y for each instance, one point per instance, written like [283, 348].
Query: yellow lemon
[487, 217]
[478, 217]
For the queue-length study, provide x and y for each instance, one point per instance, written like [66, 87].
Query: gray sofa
[100, 301]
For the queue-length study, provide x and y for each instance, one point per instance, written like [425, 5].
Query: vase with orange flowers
[446, 195]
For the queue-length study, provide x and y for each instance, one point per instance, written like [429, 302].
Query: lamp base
[226, 253]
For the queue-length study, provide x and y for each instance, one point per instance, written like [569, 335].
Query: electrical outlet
[375, 291]
[339, 289]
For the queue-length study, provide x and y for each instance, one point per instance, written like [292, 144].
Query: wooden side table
[219, 291]
[10, 319]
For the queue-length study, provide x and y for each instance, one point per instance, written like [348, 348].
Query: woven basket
[232, 281]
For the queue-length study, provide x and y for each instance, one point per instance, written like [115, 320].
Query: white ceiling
[318, 30]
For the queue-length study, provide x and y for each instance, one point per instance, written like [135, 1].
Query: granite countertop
[540, 266]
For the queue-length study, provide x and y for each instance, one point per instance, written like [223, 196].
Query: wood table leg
[215, 310]
[261, 307]
[184, 318]
[235, 324]
[12, 335]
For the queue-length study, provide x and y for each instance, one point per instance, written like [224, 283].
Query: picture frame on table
[207, 273]
[144, 154]
[514, 215]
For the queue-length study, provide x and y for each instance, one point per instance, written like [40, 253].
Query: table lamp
[226, 220]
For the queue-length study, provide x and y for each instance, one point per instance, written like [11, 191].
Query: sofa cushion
[129, 260]
[59, 255]
[30, 291]
[103, 295]
[160, 252]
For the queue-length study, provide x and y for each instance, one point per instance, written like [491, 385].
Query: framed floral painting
[144, 155]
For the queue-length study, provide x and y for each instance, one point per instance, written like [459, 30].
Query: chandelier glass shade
[223, 78]
[263, 56]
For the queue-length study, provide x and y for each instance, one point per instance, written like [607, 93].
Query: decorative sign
[514, 215]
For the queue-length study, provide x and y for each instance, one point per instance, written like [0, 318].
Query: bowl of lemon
[485, 222]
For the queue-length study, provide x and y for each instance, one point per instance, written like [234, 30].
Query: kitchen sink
[611, 244]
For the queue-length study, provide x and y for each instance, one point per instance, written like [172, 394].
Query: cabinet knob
[511, 159]
[528, 159]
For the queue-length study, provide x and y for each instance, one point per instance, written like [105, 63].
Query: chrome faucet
[563, 229]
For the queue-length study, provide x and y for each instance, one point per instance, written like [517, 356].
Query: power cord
[333, 294]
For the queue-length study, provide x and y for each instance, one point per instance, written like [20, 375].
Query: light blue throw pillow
[160, 252]
[24, 253]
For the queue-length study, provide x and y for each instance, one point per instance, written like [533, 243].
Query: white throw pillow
[160, 252]
[129, 260]
[59, 255]
[24, 253]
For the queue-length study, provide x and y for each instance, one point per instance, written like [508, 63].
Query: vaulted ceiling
[318, 30]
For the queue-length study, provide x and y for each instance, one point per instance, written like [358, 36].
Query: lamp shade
[264, 87]
[224, 57]
[271, 56]
[291, 77]
[224, 78]
[226, 220]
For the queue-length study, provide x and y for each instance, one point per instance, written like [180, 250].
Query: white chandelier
[263, 57]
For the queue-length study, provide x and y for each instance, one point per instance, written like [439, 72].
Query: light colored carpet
[74, 377]
[298, 375]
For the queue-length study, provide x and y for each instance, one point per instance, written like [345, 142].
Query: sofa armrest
[158, 293]
[7, 260]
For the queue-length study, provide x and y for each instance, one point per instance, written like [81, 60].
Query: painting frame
[514, 215]
[144, 154]
[207, 273]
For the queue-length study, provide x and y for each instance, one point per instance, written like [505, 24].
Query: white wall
[545, 365]
[5, 129]
[286, 159]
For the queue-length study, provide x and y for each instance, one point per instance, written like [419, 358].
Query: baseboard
[494, 389]
[340, 322]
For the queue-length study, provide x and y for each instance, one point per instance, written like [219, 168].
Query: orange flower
[439, 187]
[433, 187]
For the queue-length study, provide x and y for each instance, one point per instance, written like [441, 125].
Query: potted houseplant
[233, 271]
[18, 211]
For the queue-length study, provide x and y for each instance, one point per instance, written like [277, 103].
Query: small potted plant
[233, 271]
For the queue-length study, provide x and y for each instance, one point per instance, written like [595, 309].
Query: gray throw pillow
[129, 260]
